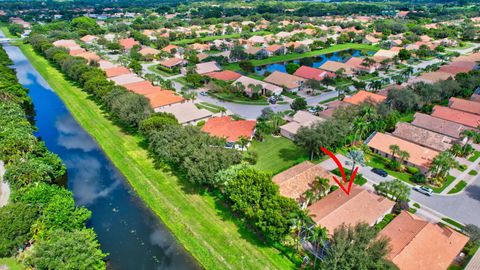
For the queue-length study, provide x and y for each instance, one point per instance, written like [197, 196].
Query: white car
[424, 190]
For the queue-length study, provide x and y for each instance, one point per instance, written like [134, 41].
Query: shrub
[399, 206]
[412, 170]
[394, 165]
[473, 173]
[419, 178]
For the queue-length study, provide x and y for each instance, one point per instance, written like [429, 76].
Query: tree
[291, 68]
[16, 29]
[394, 149]
[135, 66]
[403, 155]
[441, 164]
[246, 66]
[355, 247]
[469, 134]
[357, 157]
[298, 104]
[473, 231]
[243, 141]
[320, 187]
[16, 220]
[130, 108]
[77, 249]
[375, 85]
[394, 189]
[157, 121]
[404, 55]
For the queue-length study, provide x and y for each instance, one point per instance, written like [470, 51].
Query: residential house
[224, 75]
[207, 67]
[423, 137]
[198, 47]
[357, 64]
[231, 130]
[311, 73]
[89, 56]
[275, 49]
[173, 49]
[360, 205]
[300, 119]
[89, 39]
[439, 125]
[420, 157]
[431, 77]
[187, 113]
[364, 96]
[148, 52]
[418, 244]
[202, 56]
[116, 71]
[128, 43]
[291, 83]
[268, 89]
[456, 67]
[382, 54]
[334, 66]
[125, 79]
[294, 181]
[257, 52]
[161, 99]
[171, 63]
[464, 105]
[368, 39]
[331, 108]
[461, 117]
[256, 41]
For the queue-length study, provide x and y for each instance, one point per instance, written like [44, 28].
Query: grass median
[216, 238]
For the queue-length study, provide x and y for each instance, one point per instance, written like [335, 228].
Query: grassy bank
[199, 222]
[295, 56]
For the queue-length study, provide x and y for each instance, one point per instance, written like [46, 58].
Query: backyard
[276, 154]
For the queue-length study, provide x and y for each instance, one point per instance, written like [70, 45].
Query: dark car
[380, 172]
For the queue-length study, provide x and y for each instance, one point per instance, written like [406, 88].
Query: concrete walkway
[4, 188]
[474, 263]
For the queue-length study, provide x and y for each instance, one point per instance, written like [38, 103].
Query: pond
[317, 61]
[132, 235]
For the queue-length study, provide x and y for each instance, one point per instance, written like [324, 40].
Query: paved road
[4, 188]
[463, 207]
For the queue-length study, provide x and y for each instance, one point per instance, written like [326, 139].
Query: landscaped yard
[447, 183]
[159, 71]
[239, 99]
[475, 156]
[11, 264]
[212, 234]
[458, 187]
[376, 161]
[276, 154]
[210, 107]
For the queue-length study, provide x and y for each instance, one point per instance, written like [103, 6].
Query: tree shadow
[473, 192]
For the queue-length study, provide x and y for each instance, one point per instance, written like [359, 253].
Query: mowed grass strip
[208, 231]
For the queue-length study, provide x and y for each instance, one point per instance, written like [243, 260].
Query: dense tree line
[41, 216]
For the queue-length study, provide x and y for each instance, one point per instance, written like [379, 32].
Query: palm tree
[407, 72]
[357, 156]
[394, 149]
[367, 62]
[276, 120]
[469, 134]
[223, 110]
[243, 141]
[456, 150]
[320, 186]
[308, 197]
[360, 126]
[375, 85]
[403, 155]
[441, 164]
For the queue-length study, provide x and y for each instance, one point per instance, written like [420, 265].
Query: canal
[129, 232]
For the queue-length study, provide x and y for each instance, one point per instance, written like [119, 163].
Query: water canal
[132, 235]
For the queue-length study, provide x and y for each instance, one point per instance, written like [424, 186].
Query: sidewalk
[474, 263]
[459, 176]
[4, 188]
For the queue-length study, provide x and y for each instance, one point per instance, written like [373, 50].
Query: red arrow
[342, 171]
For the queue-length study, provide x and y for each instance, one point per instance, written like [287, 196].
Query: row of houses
[409, 235]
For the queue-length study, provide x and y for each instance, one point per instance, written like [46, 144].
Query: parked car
[424, 190]
[203, 93]
[380, 172]
[272, 100]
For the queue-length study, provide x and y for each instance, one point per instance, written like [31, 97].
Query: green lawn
[376, 161]
[458, 187]
[472, 173]
[239, 99]
[6, 32]
[159, 71]
[215, 237]
[11, 263]
[475, 156]
[210, 38]
[276, 154]
[210, 107]
[447, 183]
[453, 223]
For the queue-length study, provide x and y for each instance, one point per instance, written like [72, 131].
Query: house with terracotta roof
[126, 78]
[461, 117]
[148, 52]
[257, 52]
[417, 244]
[439, 125]
[142, 87]
[65, 43]
[311, 73]
[91, 57]
[423, 137]
[368, 39]
[431, 77]
[256, 40]
[162, 99]
[294, 181]
[334, 66]
[224, 75]
[116, 71]
[89, 39]
[382, 54]
[275, 49]
[104, 64]
[207, 67]
[290, 82]
[230, 129]
[268, 89]
[456, 67]
[187, 113]
[331, 108]
[300, 119]
[172, 49]
[127, 43]
[357, 65]
[360, 205]
[420, 157]
[364, 96]
[464, 105]
[170, 63]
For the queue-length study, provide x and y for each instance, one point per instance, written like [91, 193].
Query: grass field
[11, 263]
[200, 223]
[276, 154]
[295, 56]
[239, 99]
[475, 156]
[458, 187]
[4, 29]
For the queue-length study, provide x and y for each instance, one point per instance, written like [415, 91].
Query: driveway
[462, 206]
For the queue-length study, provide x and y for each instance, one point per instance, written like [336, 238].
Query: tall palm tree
[469, 134]
[394, 149]
[360, 126]
[357, 157]
[375, 85]
[308, 197]
[223, 110]
[321, 186]
[403, 155]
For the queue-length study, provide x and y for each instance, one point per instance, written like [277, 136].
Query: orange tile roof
[128, 43]
[360, 206]
[363, 96]
[89, 56]
[464, 105]
[419, 245]
[294, 181]
[169, 48]
[312, 73]
[171, 62]
[142, 87]
[224, 75]
[232, 130]
[464, 118]
[419, 155]
[458, 67]
[116, 71]
[163, 98]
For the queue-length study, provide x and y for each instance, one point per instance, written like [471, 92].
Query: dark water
[128, 231]
[315, 62]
